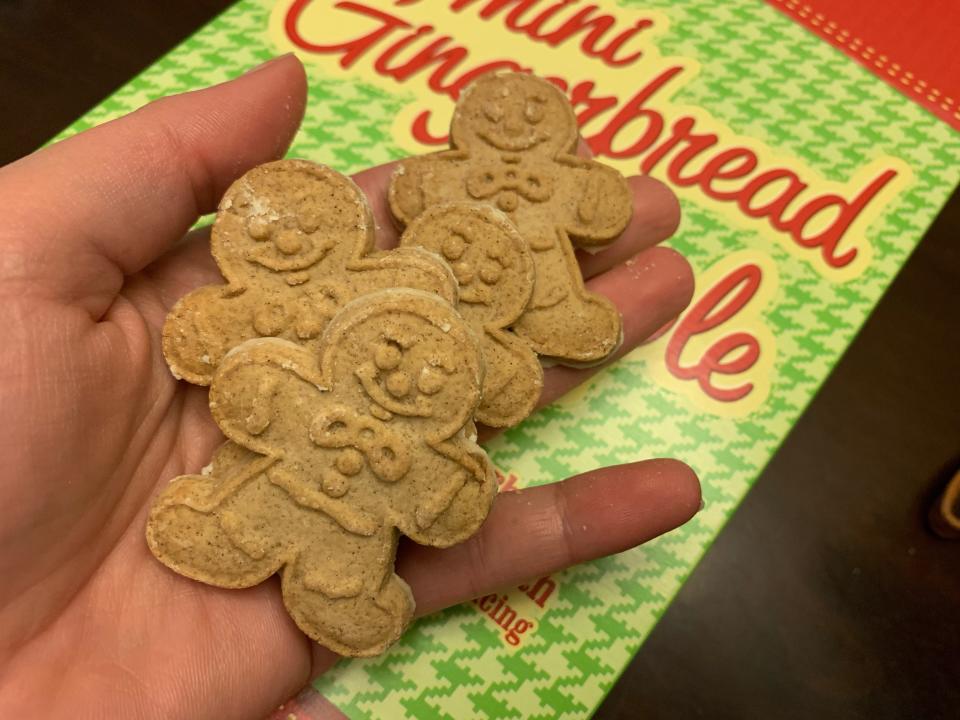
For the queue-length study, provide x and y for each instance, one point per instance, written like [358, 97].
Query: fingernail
[268, 63]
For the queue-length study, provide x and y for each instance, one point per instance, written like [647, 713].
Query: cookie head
[287, 217]
[409, 358]
[490, 260]
[514, 113]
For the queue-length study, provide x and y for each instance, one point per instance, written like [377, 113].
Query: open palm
[92, 256]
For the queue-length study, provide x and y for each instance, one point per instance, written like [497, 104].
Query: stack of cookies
[347, 380]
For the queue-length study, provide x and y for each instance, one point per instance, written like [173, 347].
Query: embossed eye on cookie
[513, 146]
[401, 379]
[331, 454]
[294, 241]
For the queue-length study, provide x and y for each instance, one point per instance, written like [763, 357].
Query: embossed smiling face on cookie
[402, 377]
[286, 219]
[479, 269]
[488, 257]
[409, 365]
[289, 242]
[514, 113]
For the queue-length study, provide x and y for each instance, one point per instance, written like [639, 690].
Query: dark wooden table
[825, 596]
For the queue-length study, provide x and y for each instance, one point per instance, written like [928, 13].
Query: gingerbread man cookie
[294, 241]
[513, 140]
[329, 460]
[494, 269]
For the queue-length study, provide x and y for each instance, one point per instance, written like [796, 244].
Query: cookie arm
[264, 394]
[421, 182]
[202, 327]
[201, 526]
[599, 200]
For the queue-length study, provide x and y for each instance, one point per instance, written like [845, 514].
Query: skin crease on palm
[92, 256]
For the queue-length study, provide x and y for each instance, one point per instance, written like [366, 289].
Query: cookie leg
[457, 511]
[353, 604]
[513, 381]
[564, 320]
[216, 541]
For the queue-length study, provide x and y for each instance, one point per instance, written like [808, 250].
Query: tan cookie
[513, 138]
[294, 241]
[494, 269]
[332, 459]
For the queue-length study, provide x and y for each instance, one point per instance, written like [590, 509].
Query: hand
[91, 260]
